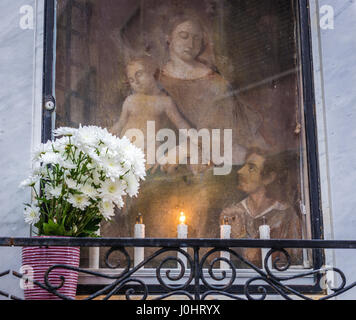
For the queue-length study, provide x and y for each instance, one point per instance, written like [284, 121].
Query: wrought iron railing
[195, 273]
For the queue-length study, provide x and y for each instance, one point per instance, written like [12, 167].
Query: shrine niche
[222, 75]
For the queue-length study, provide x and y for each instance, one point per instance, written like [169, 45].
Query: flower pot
[37, 260]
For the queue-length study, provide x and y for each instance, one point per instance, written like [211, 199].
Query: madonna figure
[202, 95]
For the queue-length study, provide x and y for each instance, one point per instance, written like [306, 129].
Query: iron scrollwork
[200, 278]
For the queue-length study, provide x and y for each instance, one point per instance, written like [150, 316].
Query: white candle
[225, 233]
[139, 252]
[265, 233]
[94, 255]
[182, 231]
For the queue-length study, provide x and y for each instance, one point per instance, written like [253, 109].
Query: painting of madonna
[197, 85]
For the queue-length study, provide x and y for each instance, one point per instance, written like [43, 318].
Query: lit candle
[265, 233]
[225, 233]
[182, 231]
[94, 255]
[182, 227]
[139, 252]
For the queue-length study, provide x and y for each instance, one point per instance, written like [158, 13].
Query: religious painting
[211, 92]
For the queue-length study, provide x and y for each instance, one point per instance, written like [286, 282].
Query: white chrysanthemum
[92, 153]
[135, 158]
[112, 189]
[66, 164]
[65, 131]
[132, 184]
[119, 202]
[124, 141]
[107, 152]
[110, 141]
[97, 178]
[55, 192]
[107, 209]
[62, 145]
[39, 170]
[88, 190]
[41, 149]
[109, 166]
[30, 181]
[32, 214]
[50, 158]
[79, 201]
[72, 184]
[112, 167]
[87, 136]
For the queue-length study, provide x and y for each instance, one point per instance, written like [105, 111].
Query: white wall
[334, 54]
[16, 96]
[335, 80]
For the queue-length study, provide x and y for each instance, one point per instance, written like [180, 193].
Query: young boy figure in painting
[147, 103]
[266, 181]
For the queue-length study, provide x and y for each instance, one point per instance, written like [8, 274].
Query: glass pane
[224, 73]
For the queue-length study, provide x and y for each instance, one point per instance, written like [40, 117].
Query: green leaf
[53, 229]
[88, 234]
[93, 225]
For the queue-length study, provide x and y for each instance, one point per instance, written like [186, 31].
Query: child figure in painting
[147, 103]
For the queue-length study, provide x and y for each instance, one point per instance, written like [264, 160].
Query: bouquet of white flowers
[79, 178]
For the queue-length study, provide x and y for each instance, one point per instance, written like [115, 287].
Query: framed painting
[218, 94]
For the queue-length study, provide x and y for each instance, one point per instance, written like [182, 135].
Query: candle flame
[224, 221]
[139, 219]
[182, 218]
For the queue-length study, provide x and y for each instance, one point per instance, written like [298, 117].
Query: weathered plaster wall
[17, 133]
[334, 53]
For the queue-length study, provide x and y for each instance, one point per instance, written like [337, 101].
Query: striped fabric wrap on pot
[37, 260]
